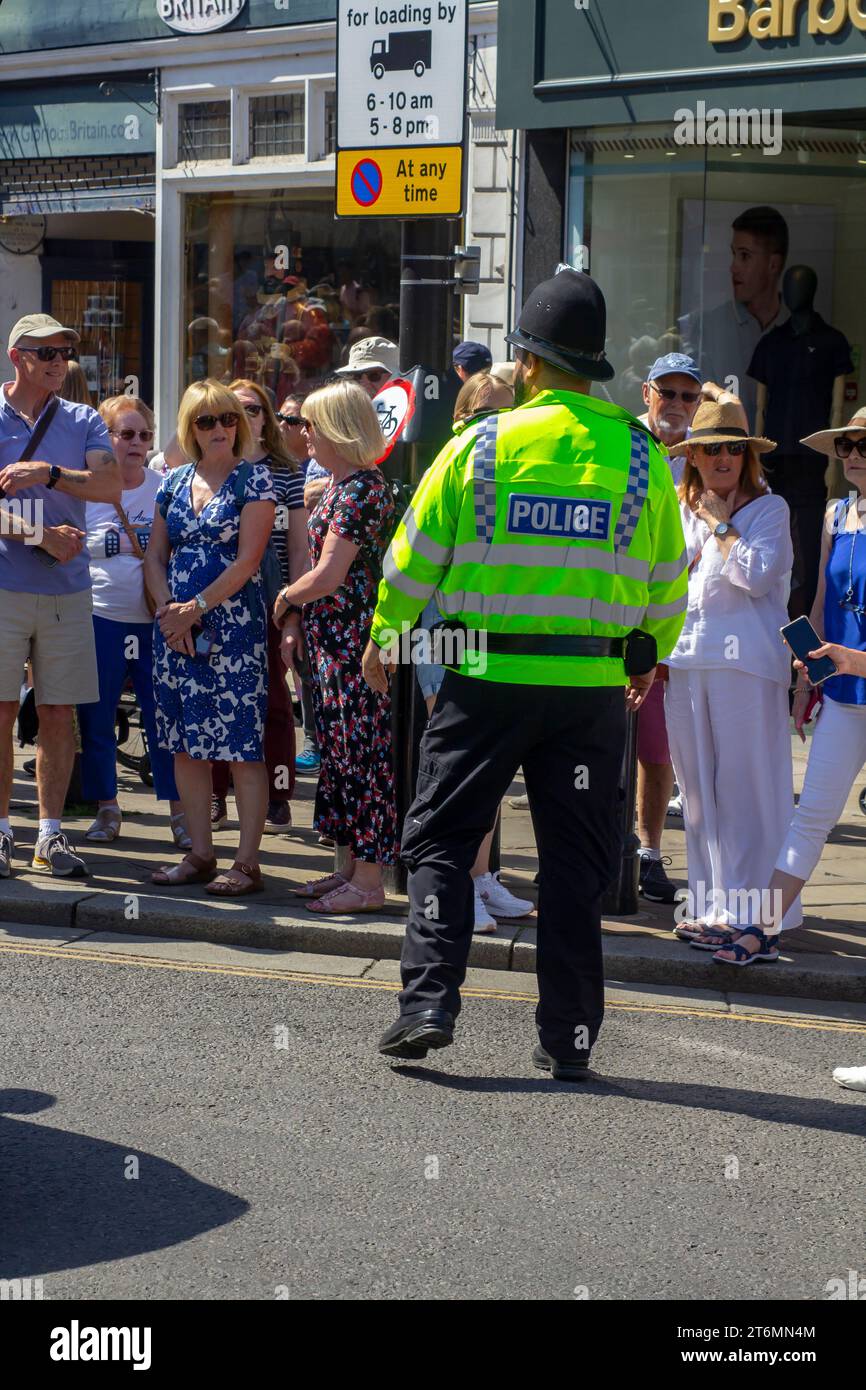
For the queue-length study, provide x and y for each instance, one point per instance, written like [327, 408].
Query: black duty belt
[638, 650]
[526, 644]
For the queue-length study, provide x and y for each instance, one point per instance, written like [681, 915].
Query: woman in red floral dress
[349, 531]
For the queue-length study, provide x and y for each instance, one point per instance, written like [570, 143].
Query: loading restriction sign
[366, 183]
[401, 89]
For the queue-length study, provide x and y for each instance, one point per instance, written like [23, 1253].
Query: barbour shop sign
[731, 20]
[198, 16]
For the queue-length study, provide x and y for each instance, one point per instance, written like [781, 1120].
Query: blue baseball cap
[675, 362]
[473, 357]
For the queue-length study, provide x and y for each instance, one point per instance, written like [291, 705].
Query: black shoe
[577, 1069]
[654, 882]
[413, 1034]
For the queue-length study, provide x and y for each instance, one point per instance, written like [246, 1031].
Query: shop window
[330, 122]
[277, 125]
[277, 290]
[654, 222]
[204, 131]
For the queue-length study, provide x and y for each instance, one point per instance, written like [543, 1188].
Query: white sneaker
[484, 923]
[675, 805]
[519, 803]
[498, 899]
[852, 1077]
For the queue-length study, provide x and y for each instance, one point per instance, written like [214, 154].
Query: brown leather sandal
[225, 887]
[198, 870]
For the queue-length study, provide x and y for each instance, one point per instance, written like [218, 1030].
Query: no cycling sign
[401, 108]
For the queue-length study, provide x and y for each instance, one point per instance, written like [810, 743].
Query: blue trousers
[96, 721]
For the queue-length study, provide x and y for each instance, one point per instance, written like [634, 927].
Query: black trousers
[570, 743]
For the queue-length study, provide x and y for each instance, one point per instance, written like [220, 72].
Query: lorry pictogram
[404, 52]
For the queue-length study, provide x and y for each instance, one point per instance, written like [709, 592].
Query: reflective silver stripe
[636, 492]
[659, 611]
[668, 571]
[539, 606]
[550, 557]
[484, 466]
[398, 580]
[424, 545]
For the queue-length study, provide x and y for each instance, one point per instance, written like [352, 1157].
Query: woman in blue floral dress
[214, 517]
[349, 531]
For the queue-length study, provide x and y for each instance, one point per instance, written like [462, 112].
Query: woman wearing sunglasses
[329, 610]
[289, 540]
[726, 705]
[838, 746]
[122, 623]
[214, 518]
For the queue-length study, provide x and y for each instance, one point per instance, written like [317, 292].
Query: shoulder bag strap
[133, 538]
[241, 484]
[38, 434]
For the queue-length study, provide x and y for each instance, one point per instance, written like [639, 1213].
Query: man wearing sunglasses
[372, 363]
[672, 393]
[45, 589]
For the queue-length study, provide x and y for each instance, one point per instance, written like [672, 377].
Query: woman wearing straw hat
[838, 749]
[726, 704]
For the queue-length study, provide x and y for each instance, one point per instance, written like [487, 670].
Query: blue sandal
[715, 938]
[765, 951]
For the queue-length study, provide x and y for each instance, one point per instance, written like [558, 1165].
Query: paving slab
[617, 993]
[40, 899]
[807, 1008]
[503, 981]
[182, 949]
[33, 934]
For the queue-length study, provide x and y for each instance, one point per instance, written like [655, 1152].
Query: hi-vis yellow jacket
[558, 517]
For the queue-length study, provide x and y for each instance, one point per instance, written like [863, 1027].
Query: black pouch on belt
[641, 653]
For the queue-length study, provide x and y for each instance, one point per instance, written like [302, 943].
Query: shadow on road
[756, 1105]
[66, 1200]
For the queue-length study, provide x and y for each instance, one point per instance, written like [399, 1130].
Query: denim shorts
[430, 676]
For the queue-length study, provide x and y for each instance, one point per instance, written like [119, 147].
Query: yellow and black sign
[426, 181]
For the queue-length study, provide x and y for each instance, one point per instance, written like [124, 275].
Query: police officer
[551, 536]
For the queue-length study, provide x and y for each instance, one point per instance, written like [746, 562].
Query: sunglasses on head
[48, 354]
[735, 450]
[845, 447]
[253, 410]
[228, 420]
[144, 435]
[690, 397]
[296, 420]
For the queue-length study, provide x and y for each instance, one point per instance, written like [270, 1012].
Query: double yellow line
[306, 977]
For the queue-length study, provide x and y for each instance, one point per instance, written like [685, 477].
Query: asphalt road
[175, 1131]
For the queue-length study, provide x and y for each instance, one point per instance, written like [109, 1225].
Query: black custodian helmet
[565, 322]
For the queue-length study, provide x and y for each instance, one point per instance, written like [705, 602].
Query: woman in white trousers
[726, 705]
[838, 749]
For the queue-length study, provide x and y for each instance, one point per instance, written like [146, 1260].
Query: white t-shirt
[736, 606]
[117, 576]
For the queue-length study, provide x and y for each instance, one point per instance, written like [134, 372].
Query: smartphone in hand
[802, 638]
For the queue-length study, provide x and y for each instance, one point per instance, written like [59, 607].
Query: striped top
[289, 487]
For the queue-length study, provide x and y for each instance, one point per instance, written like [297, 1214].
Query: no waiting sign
[400, 79]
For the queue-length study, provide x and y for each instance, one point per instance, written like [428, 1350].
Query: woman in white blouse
[726, 704]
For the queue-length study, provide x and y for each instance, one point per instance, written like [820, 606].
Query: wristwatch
[201, 603]
[54, 475]
[722, 529]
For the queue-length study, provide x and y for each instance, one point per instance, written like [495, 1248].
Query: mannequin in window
[800, 368]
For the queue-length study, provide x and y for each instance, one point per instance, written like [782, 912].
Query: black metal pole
[620, 900]
[426, 338]
[426, 296]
